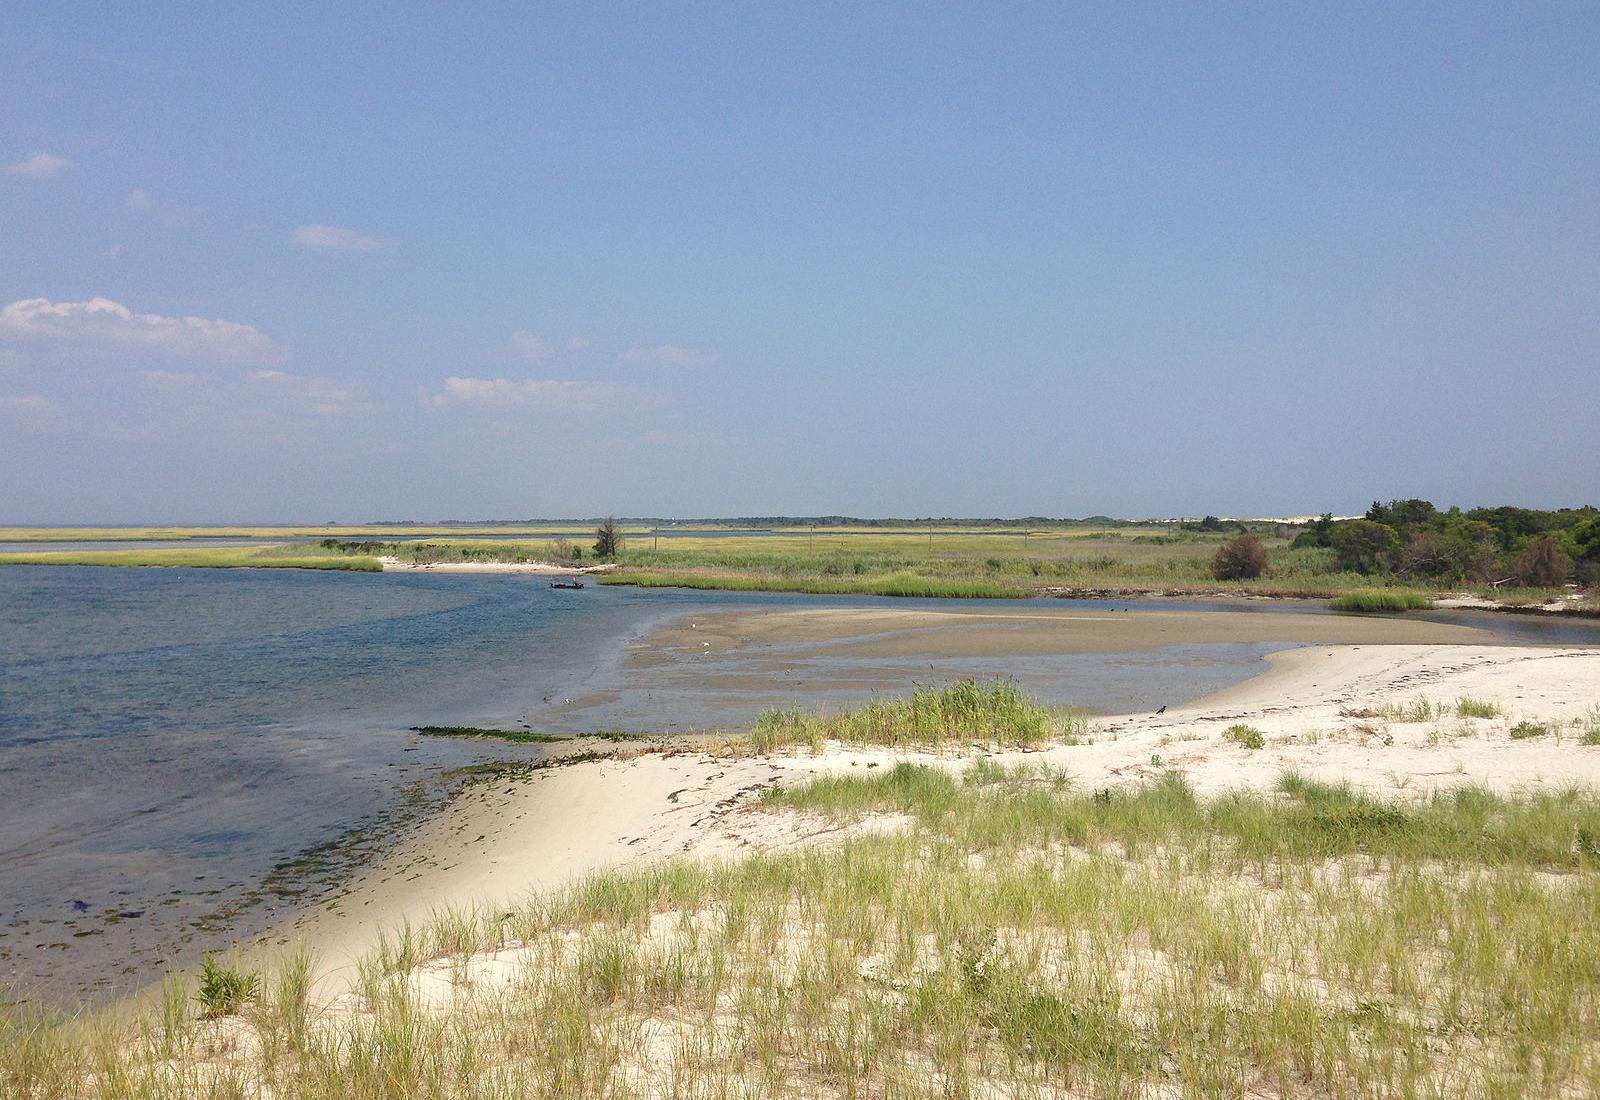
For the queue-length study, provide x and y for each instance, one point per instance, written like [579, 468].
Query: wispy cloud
[307, 394]
[25, 405]
[540, 394]
[694, 440]
[102, 323]
[169, 212]
[335, 239]
[40, 166]
[531, 347]
[536, 349]
[669, 355]
[171, 381]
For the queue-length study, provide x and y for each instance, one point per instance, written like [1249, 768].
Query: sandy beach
[536, 568]
[1321, 709]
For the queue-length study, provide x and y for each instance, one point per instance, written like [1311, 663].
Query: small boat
[566, 584]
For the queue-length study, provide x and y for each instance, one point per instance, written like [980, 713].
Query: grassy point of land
[284, 556]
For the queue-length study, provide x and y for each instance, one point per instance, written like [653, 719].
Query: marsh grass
[1021, 938]
[896, 584]
[1381, 600]
[286, 556]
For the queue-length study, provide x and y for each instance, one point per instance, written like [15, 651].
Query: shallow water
[168, 736]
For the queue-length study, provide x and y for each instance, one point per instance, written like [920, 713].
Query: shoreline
[497, 842]
[535, 568]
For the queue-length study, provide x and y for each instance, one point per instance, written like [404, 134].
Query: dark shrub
[1364, 546]
[1242, 559]
[1542, 564]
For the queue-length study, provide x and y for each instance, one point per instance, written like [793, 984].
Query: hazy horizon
[877, 261]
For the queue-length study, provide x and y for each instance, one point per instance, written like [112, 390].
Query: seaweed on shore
[528, 737]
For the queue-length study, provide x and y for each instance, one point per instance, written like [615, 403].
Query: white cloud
[334, 238]
[530, 347]
[26, 405]
[102, 323]
[542, 394]
[40, 166]
[669, 355]
[536, 349]
[169, 212]
[316, 396]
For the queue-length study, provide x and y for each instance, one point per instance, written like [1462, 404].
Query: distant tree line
[1414, 539]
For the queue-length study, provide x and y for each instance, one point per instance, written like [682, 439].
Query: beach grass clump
[992, 713]
[1019, 937]
[1381, 600]
[1415, 710]
[1468, 707]
[1246, 736]
[1527, 729]
[225, 988]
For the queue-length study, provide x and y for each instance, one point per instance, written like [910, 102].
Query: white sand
[496, 843]
[541, 568]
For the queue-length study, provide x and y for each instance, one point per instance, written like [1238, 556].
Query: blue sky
[346, 262]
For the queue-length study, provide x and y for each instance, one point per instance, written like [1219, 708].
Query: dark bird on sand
[1162, 708]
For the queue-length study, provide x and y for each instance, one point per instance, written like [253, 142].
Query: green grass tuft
[225, 990]
[1247, 736]
[1477, 708]
[1381, 599]
[993, 713]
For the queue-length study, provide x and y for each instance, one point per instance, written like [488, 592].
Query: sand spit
[1330, 712]
[539, 568]
[1037, 631]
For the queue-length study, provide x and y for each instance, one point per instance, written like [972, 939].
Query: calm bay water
[168, 736]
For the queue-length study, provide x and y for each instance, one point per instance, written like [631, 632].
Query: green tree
[1319, 533]
[608, 539]
[1363, 545]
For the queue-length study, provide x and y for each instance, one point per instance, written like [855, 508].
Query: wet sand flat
[891, 633]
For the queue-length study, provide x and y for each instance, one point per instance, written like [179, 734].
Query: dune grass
[1381, 599]
[1018, 937]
